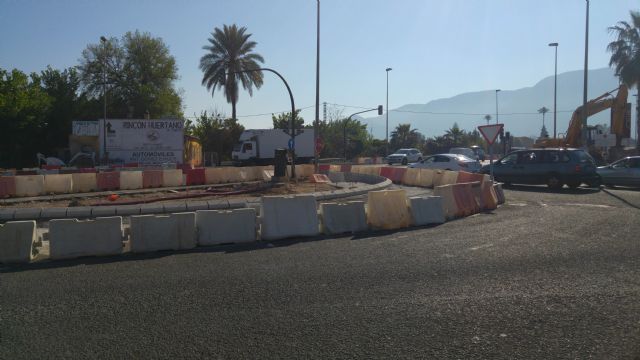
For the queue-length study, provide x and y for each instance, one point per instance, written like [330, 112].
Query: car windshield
[402, 151]
[464, 158]
[584, 157]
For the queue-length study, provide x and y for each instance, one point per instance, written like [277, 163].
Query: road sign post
[490, 133]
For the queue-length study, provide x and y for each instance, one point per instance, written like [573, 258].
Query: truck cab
[244, 151]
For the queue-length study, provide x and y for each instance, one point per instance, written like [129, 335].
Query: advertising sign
[85, 128]
[148, 142]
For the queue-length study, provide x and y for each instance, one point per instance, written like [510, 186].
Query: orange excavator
[605, 101]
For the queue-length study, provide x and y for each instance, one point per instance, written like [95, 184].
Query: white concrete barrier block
[288, 216]
[70, 238]
[131, 180]
[213, 175]
[340, 218]
[164, 232]
[388, 209]
[425, 179]
[29, 185]
[84, 182]
[58, 183]
[171, 177]
[226, 226]
[449, 205]
[426, 210]
[16, 241]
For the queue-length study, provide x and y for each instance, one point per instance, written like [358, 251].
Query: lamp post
[316, 124]
[104, 97]
[386, 134]
[497, 91]
[584, 92]
[555, 88]
[293, 114]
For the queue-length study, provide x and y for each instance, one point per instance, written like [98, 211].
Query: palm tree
[404, 136]
[488, 118]
[625, 52]
[230, 51]
[454, 133]
[543, 110]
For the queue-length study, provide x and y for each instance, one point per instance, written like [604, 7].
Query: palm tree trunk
[233, 110]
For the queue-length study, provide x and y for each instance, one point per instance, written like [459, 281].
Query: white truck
[258, 146]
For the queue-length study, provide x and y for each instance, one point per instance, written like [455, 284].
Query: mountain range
[517, 109]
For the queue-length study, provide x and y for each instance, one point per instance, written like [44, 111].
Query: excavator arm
[605, 101]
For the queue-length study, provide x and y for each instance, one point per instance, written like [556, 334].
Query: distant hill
[517, 108]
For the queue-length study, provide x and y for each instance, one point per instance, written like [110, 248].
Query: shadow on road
[621, 199]
[547, 190]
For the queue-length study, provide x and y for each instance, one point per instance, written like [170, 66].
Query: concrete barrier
[214, 175]
[395, 174]
[7, 186]
[449, 204]
[340, 218]
[16, 241]
[499, 193]
[288, 216]
[467, 177]
[437, 178]
[130, 180]
[70, 238]
[426, 210]
[476, 190]
[425, 179]
[29, 185]
[449, 177]
[151, 179]
[305, 170]
[489, 196]
[109, 180]
[153, 233]
[226, 226]
[465, 199]
[195, 176]
[387, 209]
[411, 177]
[171, 177]
[58, 183]
[84, 182]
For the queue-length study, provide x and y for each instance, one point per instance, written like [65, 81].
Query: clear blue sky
[436, 48]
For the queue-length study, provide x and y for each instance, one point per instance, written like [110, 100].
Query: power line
[446, 113]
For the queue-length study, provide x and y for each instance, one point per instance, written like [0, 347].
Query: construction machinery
[573, 138]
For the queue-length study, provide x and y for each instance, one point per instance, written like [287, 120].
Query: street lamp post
[584, 92]
[316, 124]
[497, 91]
[293, 114]
[104, 97]
[555, 88]
[386, 134]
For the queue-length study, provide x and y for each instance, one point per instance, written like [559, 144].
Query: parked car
[468, 152]
[624, 172]
[553, 166]
[404, 156]
[479, 152]
[453, 162]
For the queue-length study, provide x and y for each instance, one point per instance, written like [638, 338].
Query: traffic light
[501, 134]
[379, 109]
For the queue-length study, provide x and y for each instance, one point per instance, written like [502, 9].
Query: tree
[625, 53]
[543, 110]
[405, 137]
[454, 133]
[229, 51]
[544, 133]
[283, 120]
[487, 118]
[140, 75]
[215, 133]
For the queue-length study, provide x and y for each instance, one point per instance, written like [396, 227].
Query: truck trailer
[258, 146]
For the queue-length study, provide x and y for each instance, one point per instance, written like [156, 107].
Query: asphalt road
[548, 275]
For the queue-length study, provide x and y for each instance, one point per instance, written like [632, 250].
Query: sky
[437, 49]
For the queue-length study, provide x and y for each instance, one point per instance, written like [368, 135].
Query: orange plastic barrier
[466, 177]
[151, 178]
[489, 197]
[465, 200]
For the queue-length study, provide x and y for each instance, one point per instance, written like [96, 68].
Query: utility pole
[316, 124]
[584, 92]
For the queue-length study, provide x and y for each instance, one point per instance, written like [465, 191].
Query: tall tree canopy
[625, 53]
[140, 75]
[403, 136]
[228, 52]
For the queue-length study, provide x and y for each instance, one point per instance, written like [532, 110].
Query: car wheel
[554, 182]
[573, 184]
[404, 161]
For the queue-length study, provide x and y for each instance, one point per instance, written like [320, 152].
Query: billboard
[148, 142]
[85, 128]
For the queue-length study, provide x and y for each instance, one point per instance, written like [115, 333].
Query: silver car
[454, 162]
[624, 172]
[404, 156]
